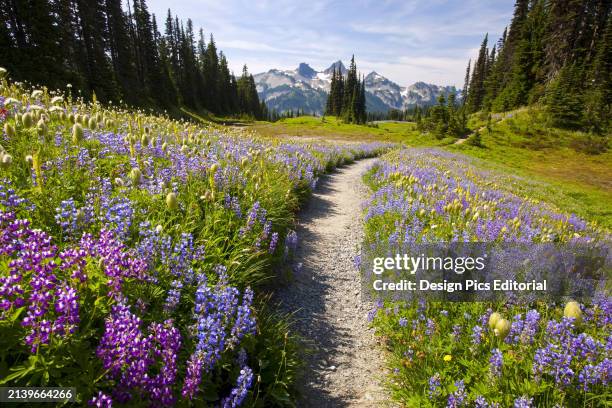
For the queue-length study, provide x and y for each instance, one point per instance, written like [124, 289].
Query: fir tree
[466, 83]
[120, 50]
[477, 83]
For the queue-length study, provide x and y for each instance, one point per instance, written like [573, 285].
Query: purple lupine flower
[430, 327]
[239, 393]
[434, 386]
[477, 335]
[596, 374]
[530, 328]
[481, 402]
[245, 322]
[166, 340]
[273, 242]
[67, 308]
[377, 306]
[523, 402]
[457, 398]
[403, 322]
[496, 362]
[174, 296]
[193, 376]
[127, 354]
[221, 323]
[291, 240]
[101, 400]
[118, 214]
[118, 262]
[10, 200]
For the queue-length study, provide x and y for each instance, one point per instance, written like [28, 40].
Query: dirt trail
[344, 365]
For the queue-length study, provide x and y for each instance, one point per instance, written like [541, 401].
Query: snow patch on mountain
[306, 89]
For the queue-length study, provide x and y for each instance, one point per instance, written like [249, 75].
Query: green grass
[560, 161]
[332, 128]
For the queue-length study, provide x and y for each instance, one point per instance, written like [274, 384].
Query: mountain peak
[306, 71]
[306, 89]
[335, 66]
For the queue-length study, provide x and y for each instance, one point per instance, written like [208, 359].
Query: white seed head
[27, 119]
[171, 201]
[9, 130]
[77, 133]
[7, 159]
[135, 175]
[41, 127]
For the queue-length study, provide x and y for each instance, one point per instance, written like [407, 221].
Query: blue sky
[406, 41]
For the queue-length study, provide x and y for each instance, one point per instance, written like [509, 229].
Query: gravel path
[343, 364]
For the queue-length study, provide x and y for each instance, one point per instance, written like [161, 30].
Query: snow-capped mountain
[306, 89]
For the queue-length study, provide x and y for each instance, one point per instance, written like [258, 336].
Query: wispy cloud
[405, 40]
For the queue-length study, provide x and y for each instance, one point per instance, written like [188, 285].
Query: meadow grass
[573, 168]
[330, 127]
[567, 168]
[516, 351]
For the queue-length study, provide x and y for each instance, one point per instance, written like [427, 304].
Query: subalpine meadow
[133, 249]
[150, 198]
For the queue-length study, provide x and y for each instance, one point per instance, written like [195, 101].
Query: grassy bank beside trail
[572, 169]
[518, 351]
[332, 128]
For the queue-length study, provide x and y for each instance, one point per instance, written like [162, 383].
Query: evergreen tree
[477, 83]
[598, 96]
[102, 49]
[466, 83]
[563, 102]
[120, 50]
[210, 72]
[98, 70]
[339, 97]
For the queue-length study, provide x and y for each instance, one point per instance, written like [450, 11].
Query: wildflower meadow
[484, 354]
[134, 249]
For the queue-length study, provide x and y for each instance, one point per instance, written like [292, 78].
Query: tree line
[346, 98]
[446, 118]
[120, 54]
[557, 53]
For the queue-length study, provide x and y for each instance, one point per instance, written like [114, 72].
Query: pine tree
[349, 92]
[477, 83]
[210, 73]
[513, 35]
[466, 83]
[339, 98]
[563, 102]
[598, 97]
[98, 70]
[331, 97]
[120, 50]
[73, 60]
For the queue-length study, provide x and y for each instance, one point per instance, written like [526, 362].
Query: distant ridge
[306, 89]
